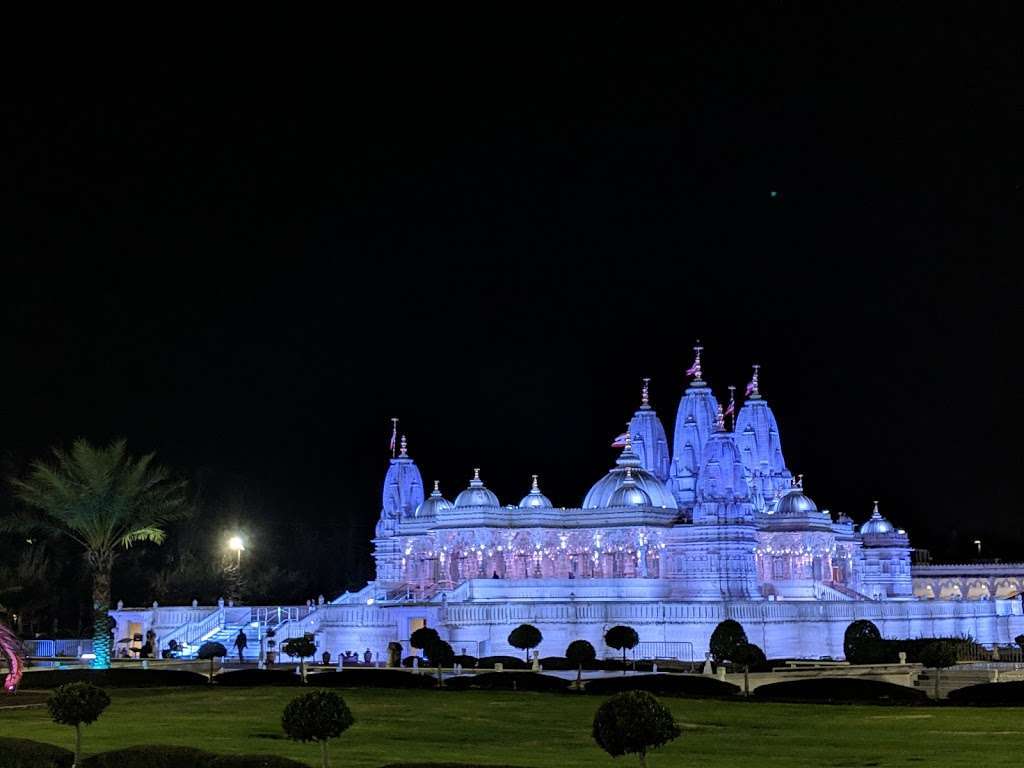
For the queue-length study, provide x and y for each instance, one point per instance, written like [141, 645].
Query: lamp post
[236, 544]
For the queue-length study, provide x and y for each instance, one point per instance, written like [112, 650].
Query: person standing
[241, 642]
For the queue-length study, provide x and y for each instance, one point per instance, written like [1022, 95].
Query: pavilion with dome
[675, 537]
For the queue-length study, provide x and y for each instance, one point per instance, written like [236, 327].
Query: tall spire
[752, 392]
[404, 450]
[629, 440]
[645, 402]
[695, 369]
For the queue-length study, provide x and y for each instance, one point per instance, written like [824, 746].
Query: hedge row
[887, 651]
[22, 753]
[989, 694]
[115, 677]
[841, 690]
[662, 685]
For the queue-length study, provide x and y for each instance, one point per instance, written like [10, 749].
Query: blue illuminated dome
[535, 499]
[876, 525]
[600, 495]
[797, 510]
[476, 495]
[433, 504]
[629, 494]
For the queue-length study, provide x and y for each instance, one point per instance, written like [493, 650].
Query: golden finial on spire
[645, 394]
[404, 451]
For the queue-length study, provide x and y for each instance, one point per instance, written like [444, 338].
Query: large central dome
[601, 495]
[476, 495]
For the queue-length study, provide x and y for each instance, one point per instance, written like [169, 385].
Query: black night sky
[249, 261]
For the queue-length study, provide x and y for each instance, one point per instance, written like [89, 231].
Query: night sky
[249, 261]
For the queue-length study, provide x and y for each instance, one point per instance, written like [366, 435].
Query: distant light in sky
[775, 193]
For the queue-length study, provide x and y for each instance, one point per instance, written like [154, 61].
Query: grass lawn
[545, 730]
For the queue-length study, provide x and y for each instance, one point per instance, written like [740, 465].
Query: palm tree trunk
[101, 641]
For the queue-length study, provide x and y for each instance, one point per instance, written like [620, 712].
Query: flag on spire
[394, 436]
[731, 408]
[694, 370]
[620, 441]
[752, 385]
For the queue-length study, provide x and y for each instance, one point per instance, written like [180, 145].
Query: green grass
[545, 730]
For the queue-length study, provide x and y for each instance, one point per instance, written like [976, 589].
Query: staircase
[226, 636]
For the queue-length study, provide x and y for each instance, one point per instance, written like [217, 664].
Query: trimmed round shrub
[150, 756]
[424, 637]
[726, 641]
[633, 723]
[863, 644]
[749, 656]
[23, 753]
[112, 678]
[525, 637]
[579, 653]
[508, 681]
[509, 662]
[841, 690]
[697, 686]
[621, 638]
[211, 651]
[77, 704]
[259, 677]
[371, 678]
[990, 694]
[317, 716]
[441, 654]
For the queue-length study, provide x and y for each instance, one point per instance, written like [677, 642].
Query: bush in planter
[509, 681]
[663, 684]
[726, 640]
[370, 678]
[259, 677]
[633, 723]
[318, 716]
[841, 690]
[22, 753]
[77, 704]
[212, 651]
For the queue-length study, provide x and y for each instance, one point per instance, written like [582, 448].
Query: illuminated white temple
[668, 541]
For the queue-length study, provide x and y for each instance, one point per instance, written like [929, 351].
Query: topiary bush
[697, 686]
[22, 753]
[112, 678]
[256, 677]
[727, 640]
[423, 638]
[303, 647]
[525, 637]
[508, 681]
[77, 704]
[633, 723]
[841, 690]
[371, 678]
[318, 716]
[577, 654]
[862, 643]
[621, 638]
[212, 651]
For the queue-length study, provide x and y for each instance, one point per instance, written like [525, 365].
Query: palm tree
[105, 500]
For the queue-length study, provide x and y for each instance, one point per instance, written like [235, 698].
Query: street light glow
[235, 544]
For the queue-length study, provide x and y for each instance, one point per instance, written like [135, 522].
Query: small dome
[476, 495]
[433, 504]
[629, 494]
[795, 504]
[535, 499]
[876, 524]
[658, 494]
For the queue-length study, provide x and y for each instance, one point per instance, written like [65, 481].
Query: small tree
[862, 642]
[632, 723]
[77, 704]
[938, 656]
[747, 656]
[212, 651]
[621, 639]
[726, 640]
[524, 637]
[317, 716]
[580, 652]
[302, 647]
